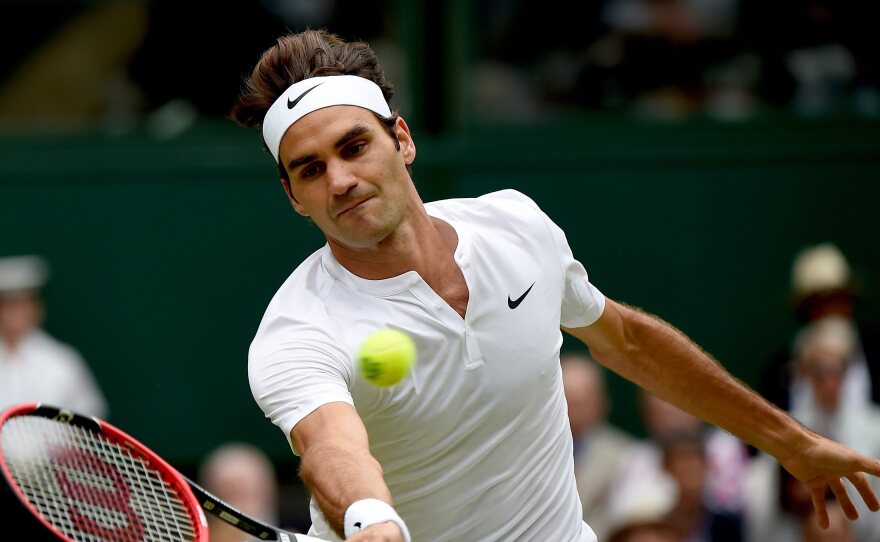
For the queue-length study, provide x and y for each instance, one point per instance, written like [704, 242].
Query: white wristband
[365, 512]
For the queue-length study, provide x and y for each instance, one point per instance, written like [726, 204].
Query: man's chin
[362, 241]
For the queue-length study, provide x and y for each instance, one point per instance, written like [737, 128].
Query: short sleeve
[582, 303]
[291, 382]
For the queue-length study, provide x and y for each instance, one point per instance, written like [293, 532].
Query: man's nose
[341, 177]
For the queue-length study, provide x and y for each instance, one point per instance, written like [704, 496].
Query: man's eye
[355, 149]
[309, 171]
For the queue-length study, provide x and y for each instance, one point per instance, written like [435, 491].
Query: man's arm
[659, 358]
[338, 468]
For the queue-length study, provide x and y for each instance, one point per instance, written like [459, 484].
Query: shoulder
[304, 289]
[296, 311]
[506, 213]
[500, 202]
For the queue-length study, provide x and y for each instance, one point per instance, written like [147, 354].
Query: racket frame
[169, 474]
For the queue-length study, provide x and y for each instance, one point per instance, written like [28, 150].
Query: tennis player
[474, 444]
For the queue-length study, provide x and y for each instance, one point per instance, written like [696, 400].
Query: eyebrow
[356, 131]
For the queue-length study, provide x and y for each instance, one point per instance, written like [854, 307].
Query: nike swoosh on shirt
[292, 103]
[514, 303]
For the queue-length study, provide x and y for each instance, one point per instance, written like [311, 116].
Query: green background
[165, 253]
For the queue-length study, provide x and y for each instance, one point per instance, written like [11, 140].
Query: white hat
[820, 269]
[645, 500]
[22, 274]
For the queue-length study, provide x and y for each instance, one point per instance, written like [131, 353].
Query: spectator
[685, 460]
[726, 455]
[600, 450]
[822, 354]
[825, 60]
[242, 476]
[639, 512]
[822, 284]
[668, 46]
[822, 351]
[839, 530]
[787, 515]
[34, 366]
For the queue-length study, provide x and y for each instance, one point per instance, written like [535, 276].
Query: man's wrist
[365, 512]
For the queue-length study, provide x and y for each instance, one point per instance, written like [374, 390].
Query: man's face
[825, 367]
[662, 418]
[347, 174]
[19, 314]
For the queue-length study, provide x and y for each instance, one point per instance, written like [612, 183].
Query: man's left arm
[662, 360]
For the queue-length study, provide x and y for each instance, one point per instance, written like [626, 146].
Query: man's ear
[407, 145]
[293, 202]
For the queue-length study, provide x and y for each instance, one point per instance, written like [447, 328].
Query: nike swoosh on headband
[292, 103]
[290, 106]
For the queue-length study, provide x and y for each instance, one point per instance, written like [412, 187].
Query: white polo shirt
[475, 443]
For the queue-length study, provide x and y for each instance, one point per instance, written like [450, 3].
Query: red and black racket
[81, 479]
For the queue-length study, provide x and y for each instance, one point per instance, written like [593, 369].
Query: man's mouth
[351, 205]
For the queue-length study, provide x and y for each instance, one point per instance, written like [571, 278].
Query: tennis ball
[386, 357]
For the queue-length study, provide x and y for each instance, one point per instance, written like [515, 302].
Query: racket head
[87, 481]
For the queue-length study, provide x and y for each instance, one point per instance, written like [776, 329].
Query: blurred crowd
[725, 59]
[160, 65]
[686, 481]
[164, 64]
[38, 367]
[681, 481]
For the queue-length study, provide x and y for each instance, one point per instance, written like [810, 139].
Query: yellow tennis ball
[386, 357]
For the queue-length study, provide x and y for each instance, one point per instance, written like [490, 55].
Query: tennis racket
[80, 479]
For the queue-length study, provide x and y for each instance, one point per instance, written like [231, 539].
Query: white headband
[299, 100]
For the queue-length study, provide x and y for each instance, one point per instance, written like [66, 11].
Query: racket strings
[160, 498]
[90, 488]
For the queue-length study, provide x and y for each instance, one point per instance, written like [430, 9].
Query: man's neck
[12, 341]
[421, 243]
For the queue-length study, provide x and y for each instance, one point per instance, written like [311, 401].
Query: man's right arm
[338, 468]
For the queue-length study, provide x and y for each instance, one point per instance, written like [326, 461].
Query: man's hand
[823, 464]
[380, 532]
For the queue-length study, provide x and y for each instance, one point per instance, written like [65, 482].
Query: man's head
[21, 278]
[585, 392]
[343, 157]
[348, 176]
[822, 352]
[662, 418]
[244, 477]
[684, 458]
[297, 57]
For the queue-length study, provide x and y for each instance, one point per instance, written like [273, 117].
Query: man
[475, 444]
[245, 478]
[601, 451]
[823, 351]
[34, 366]
[727, 457]
[822, 286]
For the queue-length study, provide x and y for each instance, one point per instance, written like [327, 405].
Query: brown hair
[295, 57]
